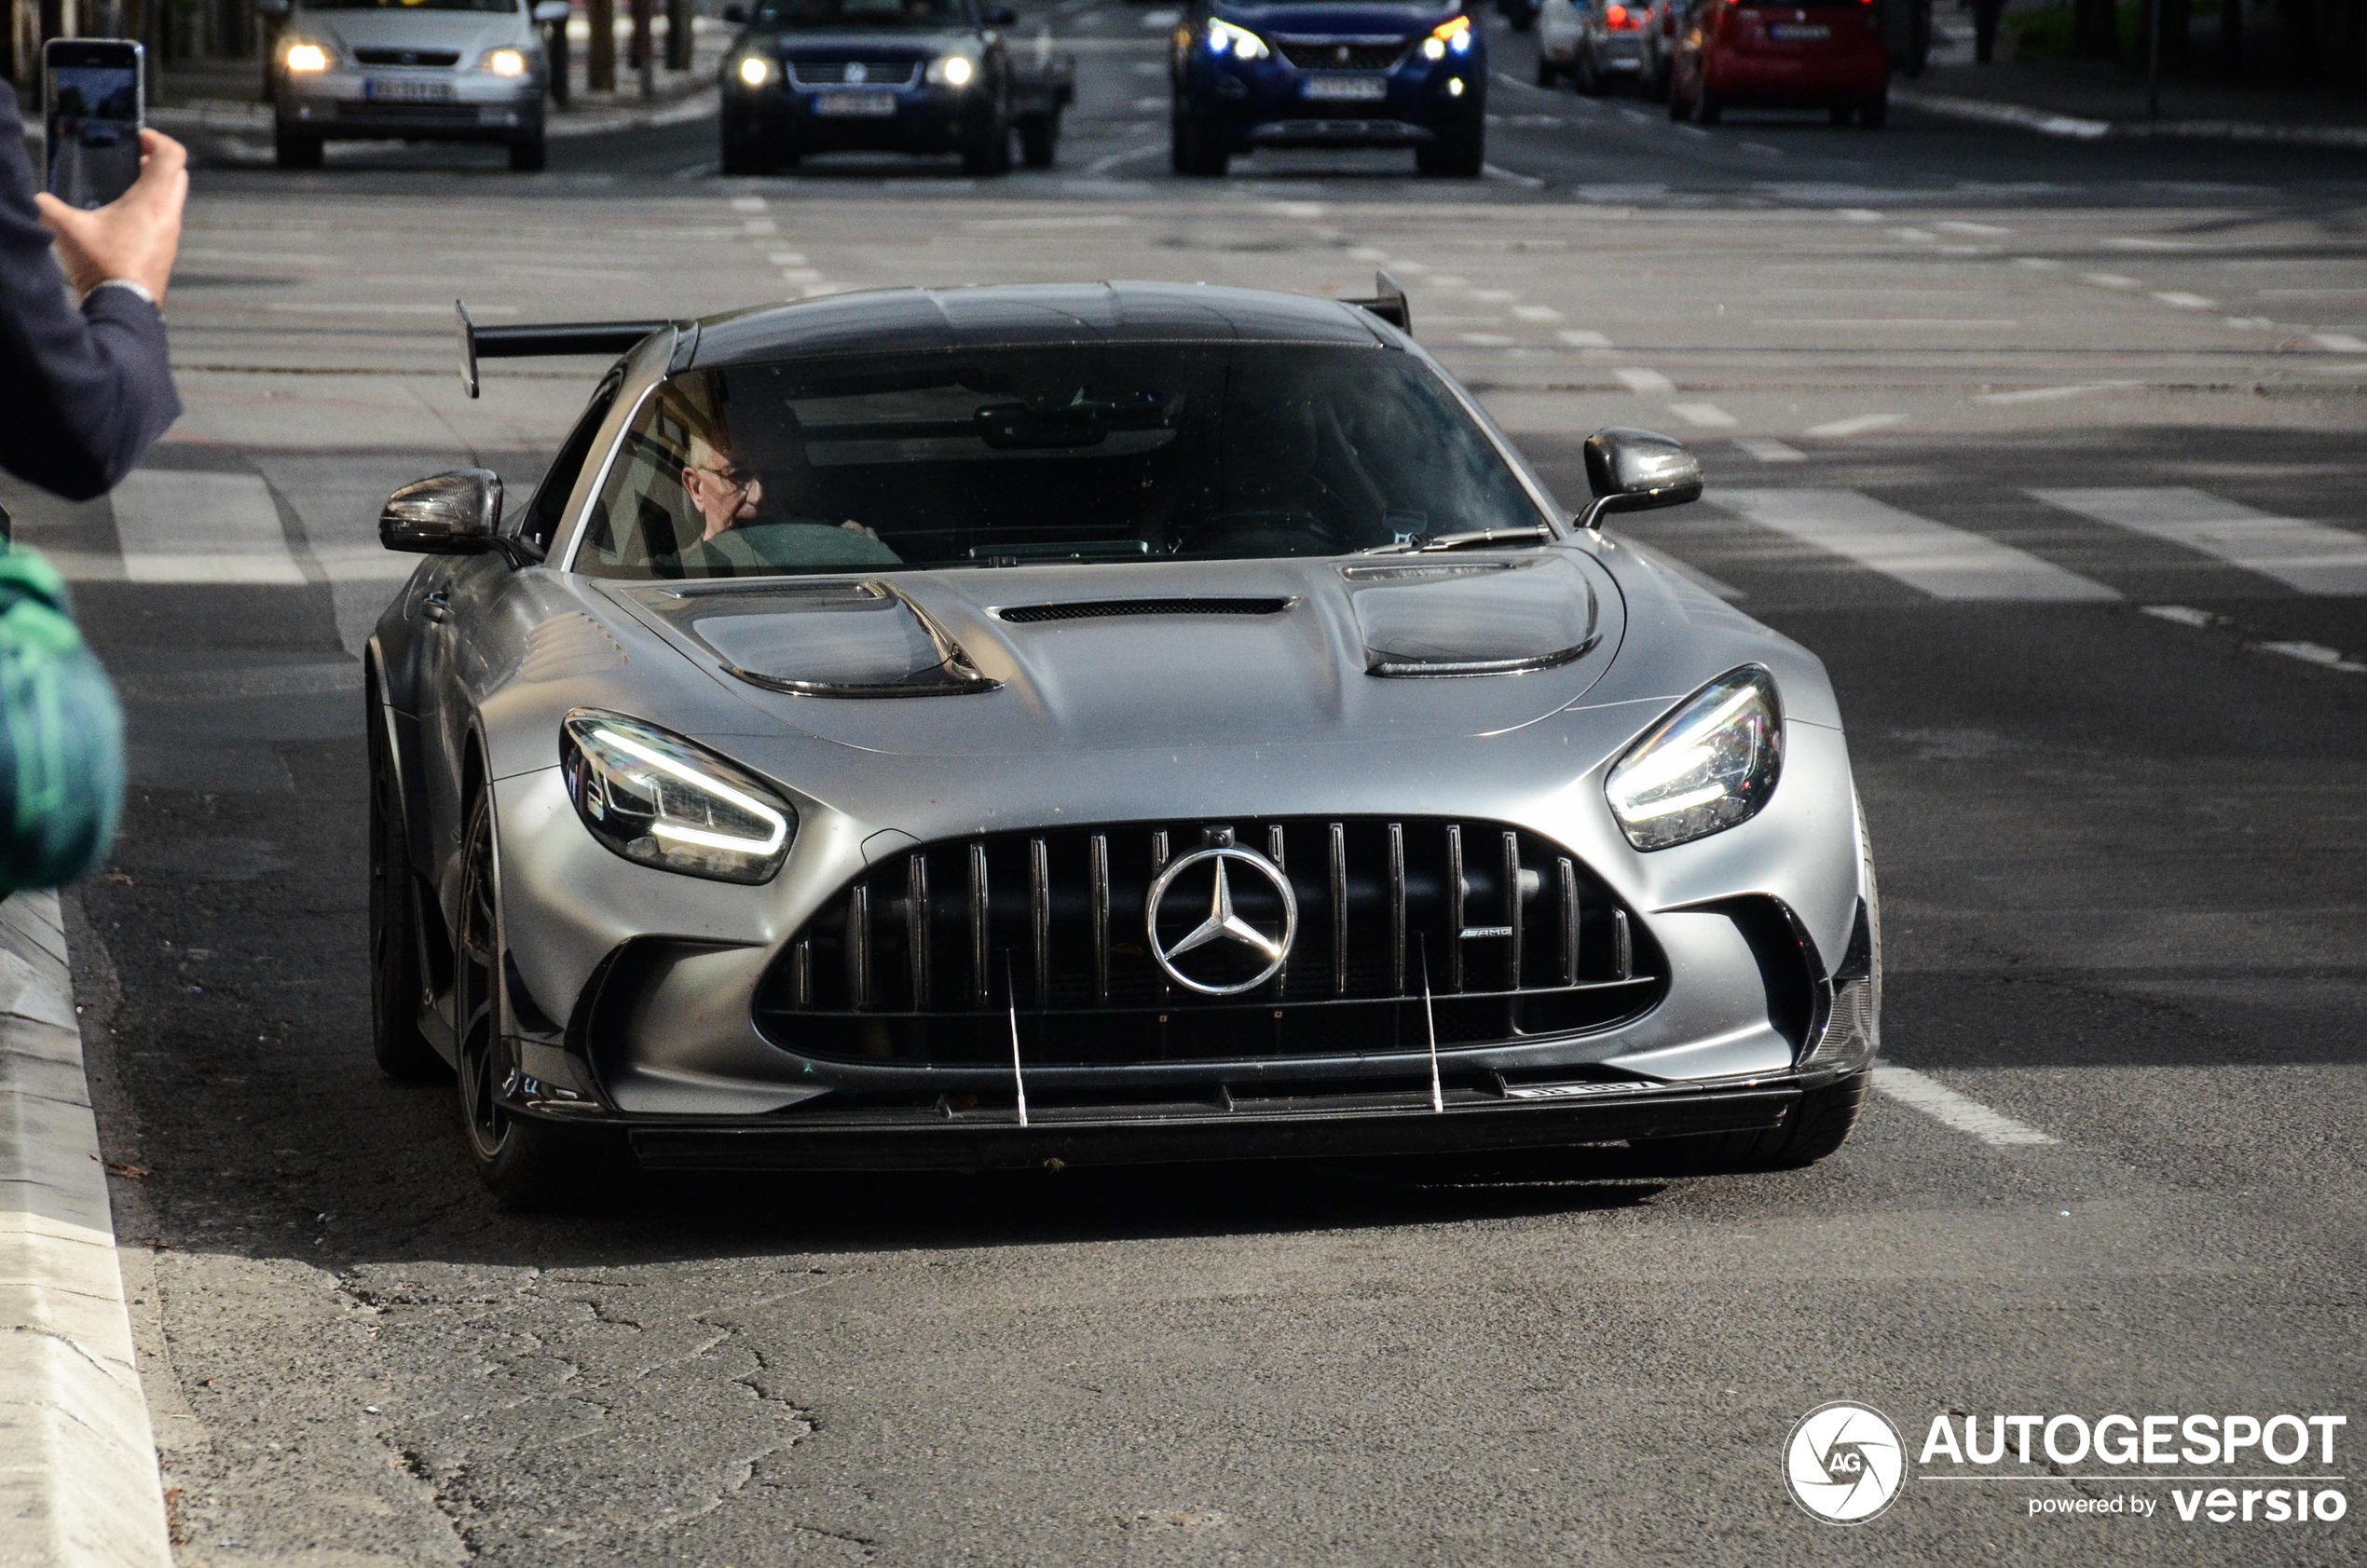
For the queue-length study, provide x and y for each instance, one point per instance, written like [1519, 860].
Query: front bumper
[466, 106]
[1268, 102]
[920, 119]
[1799, 79]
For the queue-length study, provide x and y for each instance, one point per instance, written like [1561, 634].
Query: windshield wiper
[1427, 544]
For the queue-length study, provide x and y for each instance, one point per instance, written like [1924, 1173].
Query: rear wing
[545, 341]
[1389, 303]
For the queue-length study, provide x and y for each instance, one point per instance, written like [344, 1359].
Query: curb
[234, 116]
[78, 1480]
[2046, 122]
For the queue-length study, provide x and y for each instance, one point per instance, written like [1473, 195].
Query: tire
[1040, 140]
[295, 149]
[1874, 112]
[1194, 152]
[743, 153]
[990, 153]
[529, 154]
[1455, 155]
[1817, 1129]
[398, 989]
[527, 1164]
[1844, 112]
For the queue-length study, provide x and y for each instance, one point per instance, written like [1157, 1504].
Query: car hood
[1406, 21]
[894, 42]
[470, 32]
[1016, 661]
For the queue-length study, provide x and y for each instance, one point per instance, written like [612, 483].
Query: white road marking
[2050, 394]
[1579, 337]
[1762, 149]
[1917, 234]
[1537, 313]
[322, 308]
[1494, 296]
[1103, 165]
[2109, 280]
[1944, 562]
[1979, 321]
[2183, 301]
[1449, 280]
[1855, 425]
[201, 527]
[1526, 182]
[2038, 264]
[786, 258]
[2137, 242]
[1706, 415]
[2316, 653]
[1943, 1105]
[1649, 382]
[2338, 343]
[1959, 225]
[800, 275]
[1636, 115]
[1857, 215]
[747, 204]
[1163, 16]
[2307, 652]
[1696, 132]
[1366, 254]
[1143, 105]
[1770, 451]
[2307, 557]
[1485, 339]
[2182, 614]
[758, 226]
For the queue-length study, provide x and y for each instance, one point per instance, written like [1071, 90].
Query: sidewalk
[228, 95]
[2095, 99]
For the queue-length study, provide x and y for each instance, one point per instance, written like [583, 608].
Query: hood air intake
[1095, 609]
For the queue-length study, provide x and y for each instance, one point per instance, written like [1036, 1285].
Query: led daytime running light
[748, 803]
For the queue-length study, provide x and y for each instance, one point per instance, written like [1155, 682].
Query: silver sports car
[1126, 722]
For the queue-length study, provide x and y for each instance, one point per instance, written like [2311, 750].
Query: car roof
[1022, 315]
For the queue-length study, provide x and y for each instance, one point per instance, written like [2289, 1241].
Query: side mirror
[456, 514]
[999, 15]
[1636, 470]
[736, 14]
[550, 12]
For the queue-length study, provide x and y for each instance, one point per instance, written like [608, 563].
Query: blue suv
[1309, 73]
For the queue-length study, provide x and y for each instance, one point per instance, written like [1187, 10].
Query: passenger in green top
[746, 538]
[61, 734]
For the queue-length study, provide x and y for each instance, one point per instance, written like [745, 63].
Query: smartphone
[98, 99]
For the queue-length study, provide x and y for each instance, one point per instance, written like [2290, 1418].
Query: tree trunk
[2231, 40]
[2096, 29]
[600, 64]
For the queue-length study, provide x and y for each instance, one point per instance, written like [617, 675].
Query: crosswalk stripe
[2307, 557]
[1944, 562]
[177, 526]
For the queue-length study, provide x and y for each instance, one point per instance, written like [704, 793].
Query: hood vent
[1095, 609]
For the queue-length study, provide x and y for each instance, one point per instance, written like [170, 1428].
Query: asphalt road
[1936, 375]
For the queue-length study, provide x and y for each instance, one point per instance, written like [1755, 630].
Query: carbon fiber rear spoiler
[1388, 303]
[546, 340]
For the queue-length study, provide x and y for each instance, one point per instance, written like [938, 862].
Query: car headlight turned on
[1454, 34]
[658, 800]
[1238, 42]
[954, 71]
[1708, 766]
[504, 62]
[306, 60]
[754, 71]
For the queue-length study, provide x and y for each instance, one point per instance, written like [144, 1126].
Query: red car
[1800, 54]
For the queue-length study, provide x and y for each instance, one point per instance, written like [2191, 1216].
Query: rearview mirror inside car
[1636, 470]
[456, 514]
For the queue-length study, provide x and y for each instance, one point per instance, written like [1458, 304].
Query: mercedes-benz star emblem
[1234, 954]
[854, 71]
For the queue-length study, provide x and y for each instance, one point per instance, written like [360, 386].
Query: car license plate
[855, 103]
[1345, 88]
[405, 90]
[1794, 33]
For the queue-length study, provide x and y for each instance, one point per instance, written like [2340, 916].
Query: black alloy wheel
[528, 1164]
[744, 151]
[529, 154]
[295, 149]
[989, 152]
[1194, 151]
[1040, 139]
[1456, 155]
[397, 987]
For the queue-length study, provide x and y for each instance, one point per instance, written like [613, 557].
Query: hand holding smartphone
[97, 96]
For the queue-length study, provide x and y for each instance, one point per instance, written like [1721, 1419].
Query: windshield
[498, 8]
[1017, 456]
[866, 16]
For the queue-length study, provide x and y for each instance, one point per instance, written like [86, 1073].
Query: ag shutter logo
[1845, 1462]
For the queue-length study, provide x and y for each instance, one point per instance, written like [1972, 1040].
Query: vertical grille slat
[981, 978]
[1097, 854]
[1039, 909]
[1397, 907]
[1623, 946]
[1511, 910]
[801, 973]
[1570, 922]
[1456, 889]
[1277, 852]
[1340, 909]
[858, 945]
[916, 928]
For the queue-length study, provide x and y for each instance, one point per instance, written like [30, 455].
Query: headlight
[755, 70]
[1454, 34]
[954, 70]
[1709, 765]
[658, 800]
[1238, 42]
[303, 60]
[504, 62]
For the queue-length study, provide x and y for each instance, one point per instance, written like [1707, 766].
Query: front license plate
[1808, 35]
[875, 104]
[1337, 89]
[405, 90]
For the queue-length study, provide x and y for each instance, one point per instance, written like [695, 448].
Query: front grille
[841, 72]
[413, 114]
[930, 957]
[407, 57]
[1094, 609]
[1344, 54]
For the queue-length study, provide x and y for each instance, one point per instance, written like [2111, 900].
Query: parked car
[420, 70]
[1798, 54]
[1090, 723]
[1325, 73]
[1596, 45]
[926, 77]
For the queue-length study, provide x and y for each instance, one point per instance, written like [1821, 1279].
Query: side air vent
[1095, 609]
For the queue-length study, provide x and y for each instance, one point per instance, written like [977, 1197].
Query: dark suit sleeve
[82, 393]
